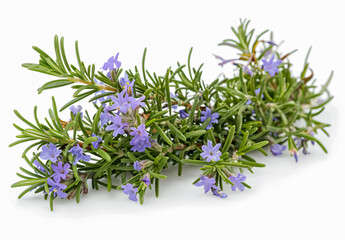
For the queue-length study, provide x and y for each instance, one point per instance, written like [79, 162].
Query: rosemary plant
[145, 122]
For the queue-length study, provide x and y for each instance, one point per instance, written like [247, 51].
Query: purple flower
[117, 126]
[257, 91]
[95, 144]
[270, 66]
[246, 69]
[301, 142]
[216, 191]
[57, 188]
[237, 181]
[207, 182]
[146, 180]
[183, 114]
[136, 102]
[141, 139]
[211, 153]
[75, 110]
[207, 114]
[39, 166]
[126, 84]
[139, 132]
[109, 65]
[50, 153]
[60, 171]
[120, 102]
[78, 153]
[137, 166]
[140, 145]
[124, 80]
[173, 95]
[277, 149]
[130, 191]
[104, 118]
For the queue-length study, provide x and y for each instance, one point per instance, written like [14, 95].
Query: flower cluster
[61, 170]
[125, 108]
[209, 184]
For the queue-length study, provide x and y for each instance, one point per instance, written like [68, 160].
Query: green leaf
[196, 133]
[252, 147]
[195, 162]
[167, 89]
[162, 134]
[192, 111]
[176, 132]
[54, 84]
[132, 157]
[156, 175]
[254, 164]
[103, 154]
[229, 139]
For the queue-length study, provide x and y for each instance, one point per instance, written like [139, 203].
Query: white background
[287, 201]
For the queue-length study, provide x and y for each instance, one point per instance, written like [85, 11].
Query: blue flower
[216, 191]
[50, 153]
[173, 95]
[136, 102]
[109, 65]
[140, 145]
[120, 102]
[211, 153]
[126, 84]
[60, 171]
[141, 139]
[207, 182]
[78, 153]
[117, 126]
[104, 118]
[95, 144]
[130, 191]
[75, 110]
[246, 69]
[270, 66]
[237, 181]
[146, 180]
[137, 166]
[57, 188]
[183, 114]
[39, 166]
[277, 149]
[207, 114]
